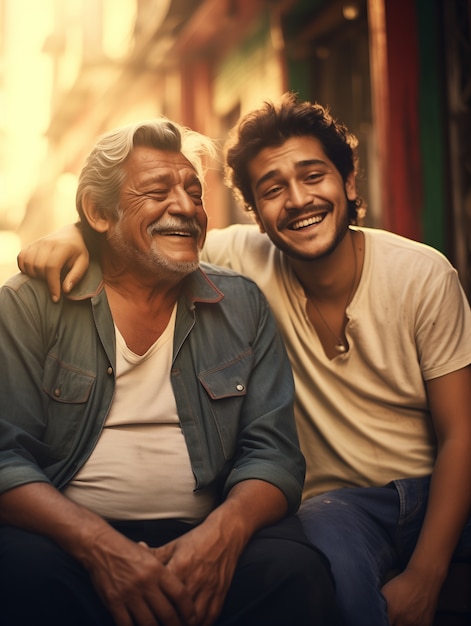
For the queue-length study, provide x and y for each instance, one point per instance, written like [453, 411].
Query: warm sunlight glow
[10, 245]
[44, 44]
[117, 27]
[26, 98]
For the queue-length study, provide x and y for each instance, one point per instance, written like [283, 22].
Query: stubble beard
[154, 262]
[341, 231]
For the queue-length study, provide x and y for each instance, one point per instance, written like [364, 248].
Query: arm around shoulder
[63, 251]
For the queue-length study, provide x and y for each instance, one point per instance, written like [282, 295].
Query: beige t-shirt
[140, 467]
[362, 417]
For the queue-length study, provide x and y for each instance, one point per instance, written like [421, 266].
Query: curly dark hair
[271, 125]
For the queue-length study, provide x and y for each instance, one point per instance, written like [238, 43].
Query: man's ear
[350, 186]
[258, 221]
[93, 216]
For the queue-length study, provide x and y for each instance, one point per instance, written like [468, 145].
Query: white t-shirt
[140, 467]
[362, 417]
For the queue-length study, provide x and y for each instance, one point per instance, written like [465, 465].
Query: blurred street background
[397, 72]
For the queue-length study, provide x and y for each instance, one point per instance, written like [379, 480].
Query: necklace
[340, 346]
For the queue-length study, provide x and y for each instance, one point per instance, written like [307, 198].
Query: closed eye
[314, 177]
[195, 194]
[156, 193]
[272, 191]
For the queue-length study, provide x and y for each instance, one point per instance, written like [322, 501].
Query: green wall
[431, 124]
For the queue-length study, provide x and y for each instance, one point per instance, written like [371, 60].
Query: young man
[378, 331]
[148, 450]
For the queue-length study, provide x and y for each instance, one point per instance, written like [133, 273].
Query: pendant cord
[340, 345]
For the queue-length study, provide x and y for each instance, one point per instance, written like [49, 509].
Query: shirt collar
[197, 286]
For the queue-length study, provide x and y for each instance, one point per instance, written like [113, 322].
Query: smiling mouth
[308, 221]
[175, 233]
[165, 231]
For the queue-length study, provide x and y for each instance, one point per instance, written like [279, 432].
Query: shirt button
[57, 392]
[240, 387]
[109, 370]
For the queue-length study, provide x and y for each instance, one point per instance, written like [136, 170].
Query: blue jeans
[367, 532]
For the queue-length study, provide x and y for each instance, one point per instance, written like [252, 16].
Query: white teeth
[179, 233]
[307, 222]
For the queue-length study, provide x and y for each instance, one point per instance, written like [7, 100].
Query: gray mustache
[190, 227]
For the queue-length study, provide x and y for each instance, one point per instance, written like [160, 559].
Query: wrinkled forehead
[147, 164]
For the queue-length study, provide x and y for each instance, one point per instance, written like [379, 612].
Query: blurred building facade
[397, 72]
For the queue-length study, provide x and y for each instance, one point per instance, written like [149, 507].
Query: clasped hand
[183, 583]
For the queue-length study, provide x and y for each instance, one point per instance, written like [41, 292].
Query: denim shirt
[230, 375]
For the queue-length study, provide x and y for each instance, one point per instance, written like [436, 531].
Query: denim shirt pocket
[68, 389]
[226, 386]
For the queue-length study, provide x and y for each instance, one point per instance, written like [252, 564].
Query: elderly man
[148, 452]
